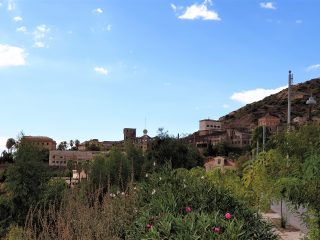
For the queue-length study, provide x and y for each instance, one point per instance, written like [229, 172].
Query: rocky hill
[276, 105]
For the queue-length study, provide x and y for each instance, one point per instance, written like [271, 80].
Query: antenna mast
[290, 80]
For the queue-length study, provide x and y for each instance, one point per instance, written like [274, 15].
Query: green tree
[63, 146]
[136, 160]
[182, 154]
[25, 181]
[71, 143]
[77, 143]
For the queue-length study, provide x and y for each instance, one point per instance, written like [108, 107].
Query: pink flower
[188, 209]
[216, 229]
[149, 226]
[228, 215]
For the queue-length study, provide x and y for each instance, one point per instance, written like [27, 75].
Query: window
[219, 161]
[53, 161]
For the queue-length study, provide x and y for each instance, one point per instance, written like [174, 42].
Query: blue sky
[88, 68]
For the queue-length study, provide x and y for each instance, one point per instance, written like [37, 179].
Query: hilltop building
[213, 132]
[40, 141]
[129, 134]
[60, 158]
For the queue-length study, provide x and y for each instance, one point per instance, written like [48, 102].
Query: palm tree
[10, 143]
[79, 169]
[77, 143]
[71, 143]
[70, 165]
[86, 166]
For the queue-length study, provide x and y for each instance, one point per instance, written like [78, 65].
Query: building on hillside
[209, 124]
[213, 132]
[238, 138]
[219, 162]
[129, 134]
[60, 158]
[90, 143]
[270, 121]
[144, 141]
[40, 141]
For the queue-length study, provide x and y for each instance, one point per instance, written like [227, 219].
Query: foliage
[137, 160]
[83, 217]
[169, 149]
[63, 146]
[114, 170]
[25, 181]
[9, 144]
[15, 233]
[165, 196]
[257, 136]
[6, 157]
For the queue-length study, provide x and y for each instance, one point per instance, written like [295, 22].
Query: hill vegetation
[276, 104]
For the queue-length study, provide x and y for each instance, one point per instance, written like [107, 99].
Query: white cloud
[225, 106]
[43, 28]
[11, 56]
[313, 67]
[200, 11]
[17, 19]
[40, 35]
[11, 5]
[3, 141]
[250, 96]
[174, 7]
[268, 5]
[101, 70]
[39, 44]
[299, 21]
[107, 28]
[22, 29]
[98, 10]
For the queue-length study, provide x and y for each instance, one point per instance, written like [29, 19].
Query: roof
[38, 138]
[208, 119]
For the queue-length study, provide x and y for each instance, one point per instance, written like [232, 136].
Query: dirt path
[288, 233]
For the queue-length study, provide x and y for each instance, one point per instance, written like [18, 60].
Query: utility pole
[290, 80]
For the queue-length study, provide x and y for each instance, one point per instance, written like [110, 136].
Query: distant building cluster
[88, 149]
[211, 132]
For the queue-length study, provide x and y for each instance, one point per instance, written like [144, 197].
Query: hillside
[276, 105]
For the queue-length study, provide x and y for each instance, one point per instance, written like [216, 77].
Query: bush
[180, 204]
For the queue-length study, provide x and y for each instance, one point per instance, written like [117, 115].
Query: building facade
[219, 162]
[58, 158]
[40, 141]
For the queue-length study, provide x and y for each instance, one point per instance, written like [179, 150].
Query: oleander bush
[180, 204]
[170, 204]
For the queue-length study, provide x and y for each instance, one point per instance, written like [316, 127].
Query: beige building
[219, 162]
[60, 158]
[238, 138]
[40, 141]
[209, 124]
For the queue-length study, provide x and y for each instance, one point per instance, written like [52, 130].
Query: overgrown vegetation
[163, 193]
